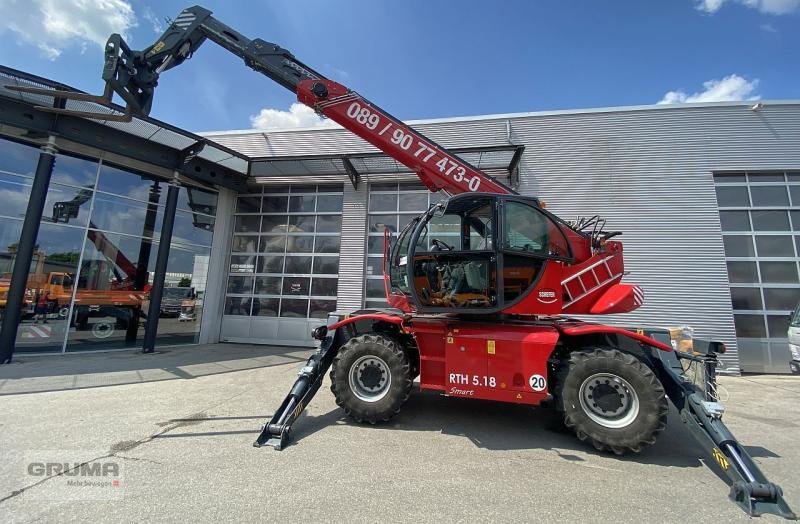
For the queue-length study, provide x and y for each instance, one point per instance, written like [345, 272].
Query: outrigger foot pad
[757, 498]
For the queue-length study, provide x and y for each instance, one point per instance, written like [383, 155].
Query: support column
[157, 291]
[27, 243]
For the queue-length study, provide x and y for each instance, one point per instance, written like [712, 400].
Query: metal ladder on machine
[594, 284]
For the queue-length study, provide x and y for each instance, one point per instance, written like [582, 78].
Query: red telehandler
[478, 287]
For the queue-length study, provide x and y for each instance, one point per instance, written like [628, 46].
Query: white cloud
[298, 115]
[52, 25]
[155, 22]
[730, 88]
[772, 7]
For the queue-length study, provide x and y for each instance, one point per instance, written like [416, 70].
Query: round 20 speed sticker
[537, 382]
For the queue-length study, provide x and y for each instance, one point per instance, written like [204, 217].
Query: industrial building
[275, 229]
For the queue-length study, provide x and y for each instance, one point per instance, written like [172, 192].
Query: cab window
[528, 231]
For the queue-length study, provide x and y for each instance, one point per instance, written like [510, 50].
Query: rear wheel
[611, 399]
[371, 378]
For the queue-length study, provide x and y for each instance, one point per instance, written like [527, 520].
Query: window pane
[750, 326]
[321, 308]
[237, 306]
[375, 288]
[778, 271]
[67, 205]
[781, 298]
[769, 220]
[237, 284]
[272, 244]
[734, 196]
[326, 245]
[746, 297]
[729, 177]
[242, 264]
[378, 223]
[74, 171]
[268, 286]
[246, 224]
[326, 287]
[795, 220]
[414, 202]
[378, 202]
[301, 223]
[298, 264]
[292, 307]
[375, 245]
[383, 186]
[329, 223]
[18, 158]
[794, 191]
[302, 203]
[191, 228]
[14, 194]
[742, 272]
[197, 200]
[244, 244]
[270, 264]
[187, 271]
[248, 204]
[274, 204]
[49, 289]
[738, 246]
[765, 177]
[111, 283]
[329, 203]
[734, 220]
[304, 188]
[120, 215]
[326, 265]
[778, 326]
[296, 285]
[299, 244]
[404, 220]
[265, 307]
[374, 266]
[769, 195]
[775, 246]
[330, 188]
[9, 239]
[131, 185]
[273, 224]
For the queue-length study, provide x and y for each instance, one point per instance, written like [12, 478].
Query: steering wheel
[441, 244]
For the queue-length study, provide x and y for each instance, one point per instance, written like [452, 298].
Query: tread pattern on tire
[400, 388]
[653, 415]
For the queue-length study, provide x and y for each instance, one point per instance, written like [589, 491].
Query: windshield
[399, 259]
[177, 292]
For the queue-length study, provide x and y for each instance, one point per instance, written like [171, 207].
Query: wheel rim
[609, 400]
[370, 378]
[102, 330]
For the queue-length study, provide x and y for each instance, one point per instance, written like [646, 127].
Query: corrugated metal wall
[648, 171]
[351, 253]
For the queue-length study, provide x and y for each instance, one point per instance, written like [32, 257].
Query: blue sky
[433, 58]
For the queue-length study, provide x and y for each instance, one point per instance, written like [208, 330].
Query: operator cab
[479, 253]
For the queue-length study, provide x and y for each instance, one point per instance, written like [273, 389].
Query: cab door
[532, 250]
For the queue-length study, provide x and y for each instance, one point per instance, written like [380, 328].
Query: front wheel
[371, 378]
[611, 399]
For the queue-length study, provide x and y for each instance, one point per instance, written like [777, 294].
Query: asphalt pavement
[181, 425]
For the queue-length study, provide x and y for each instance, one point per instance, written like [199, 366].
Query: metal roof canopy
[144, 139]
[354, 166]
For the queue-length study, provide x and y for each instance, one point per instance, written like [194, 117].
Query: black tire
[371, 378]
[637, 406]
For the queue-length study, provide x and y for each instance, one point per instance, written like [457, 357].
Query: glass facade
[91, 271]
[285, 253]
[391, 206]
[760, 218]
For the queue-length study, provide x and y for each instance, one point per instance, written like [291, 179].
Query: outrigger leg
[276, 432]
[702, 414]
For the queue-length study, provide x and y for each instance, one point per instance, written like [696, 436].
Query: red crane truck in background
[477, 286]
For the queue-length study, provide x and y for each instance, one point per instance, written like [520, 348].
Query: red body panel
[491, 361]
